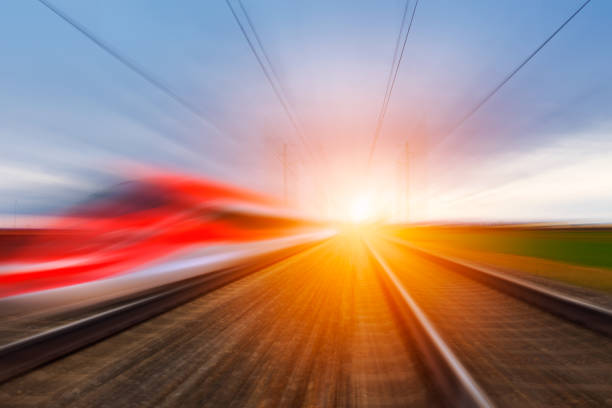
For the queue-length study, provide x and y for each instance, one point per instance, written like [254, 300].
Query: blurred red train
[135, 223]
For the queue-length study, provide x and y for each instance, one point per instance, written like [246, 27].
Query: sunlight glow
[351, 194]
[361, 209]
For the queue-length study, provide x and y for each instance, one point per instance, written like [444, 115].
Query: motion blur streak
[135, 223]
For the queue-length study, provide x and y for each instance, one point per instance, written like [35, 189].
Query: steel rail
[458, 387]
[579, 311]
[20, 356]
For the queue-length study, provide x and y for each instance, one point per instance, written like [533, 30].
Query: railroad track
[577, 310]
[458, 387]
[534, 346]
[345, 324]
[27, 353]
[314, 330]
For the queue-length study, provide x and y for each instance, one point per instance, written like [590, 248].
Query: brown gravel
[313, 330]
[519, 354]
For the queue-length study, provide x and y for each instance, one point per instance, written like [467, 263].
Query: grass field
[583, 247]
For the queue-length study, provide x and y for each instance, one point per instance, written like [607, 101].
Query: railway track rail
[458, 387]
[28, 353]
[584, 313]
[314, 330]
[338, 326]
[484, 342]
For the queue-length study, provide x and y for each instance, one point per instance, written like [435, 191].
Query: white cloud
[17, 177]
[567, 180]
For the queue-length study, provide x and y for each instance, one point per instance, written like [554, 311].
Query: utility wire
[392, 77]
[272, 78]
[389, 80]
[268, 72]
[128, 63]
[488, 96]
[398, 41]
[261, 47]
[502, 83]
[481, 191]
[273, 72]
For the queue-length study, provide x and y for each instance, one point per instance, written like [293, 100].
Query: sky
[72, 117]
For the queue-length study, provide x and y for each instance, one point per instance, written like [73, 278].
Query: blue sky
[539, 149]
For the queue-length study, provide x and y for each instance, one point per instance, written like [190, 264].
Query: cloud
[565, 180]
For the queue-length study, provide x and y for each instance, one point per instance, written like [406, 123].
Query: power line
[392, 77]
[128, 63]
[269, 73]
[502, 83]
[488, 96]
[274, 74]
[273, 79]
[394, 62]
[261, 47]
[381, 113]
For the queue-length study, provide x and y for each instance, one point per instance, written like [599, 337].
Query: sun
[361, 209]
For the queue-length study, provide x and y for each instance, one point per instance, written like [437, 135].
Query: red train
[136, 223]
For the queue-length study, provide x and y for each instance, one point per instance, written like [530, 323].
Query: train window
[122, 199]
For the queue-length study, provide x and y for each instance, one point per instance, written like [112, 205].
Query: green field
[584, 247]
[581, 246]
